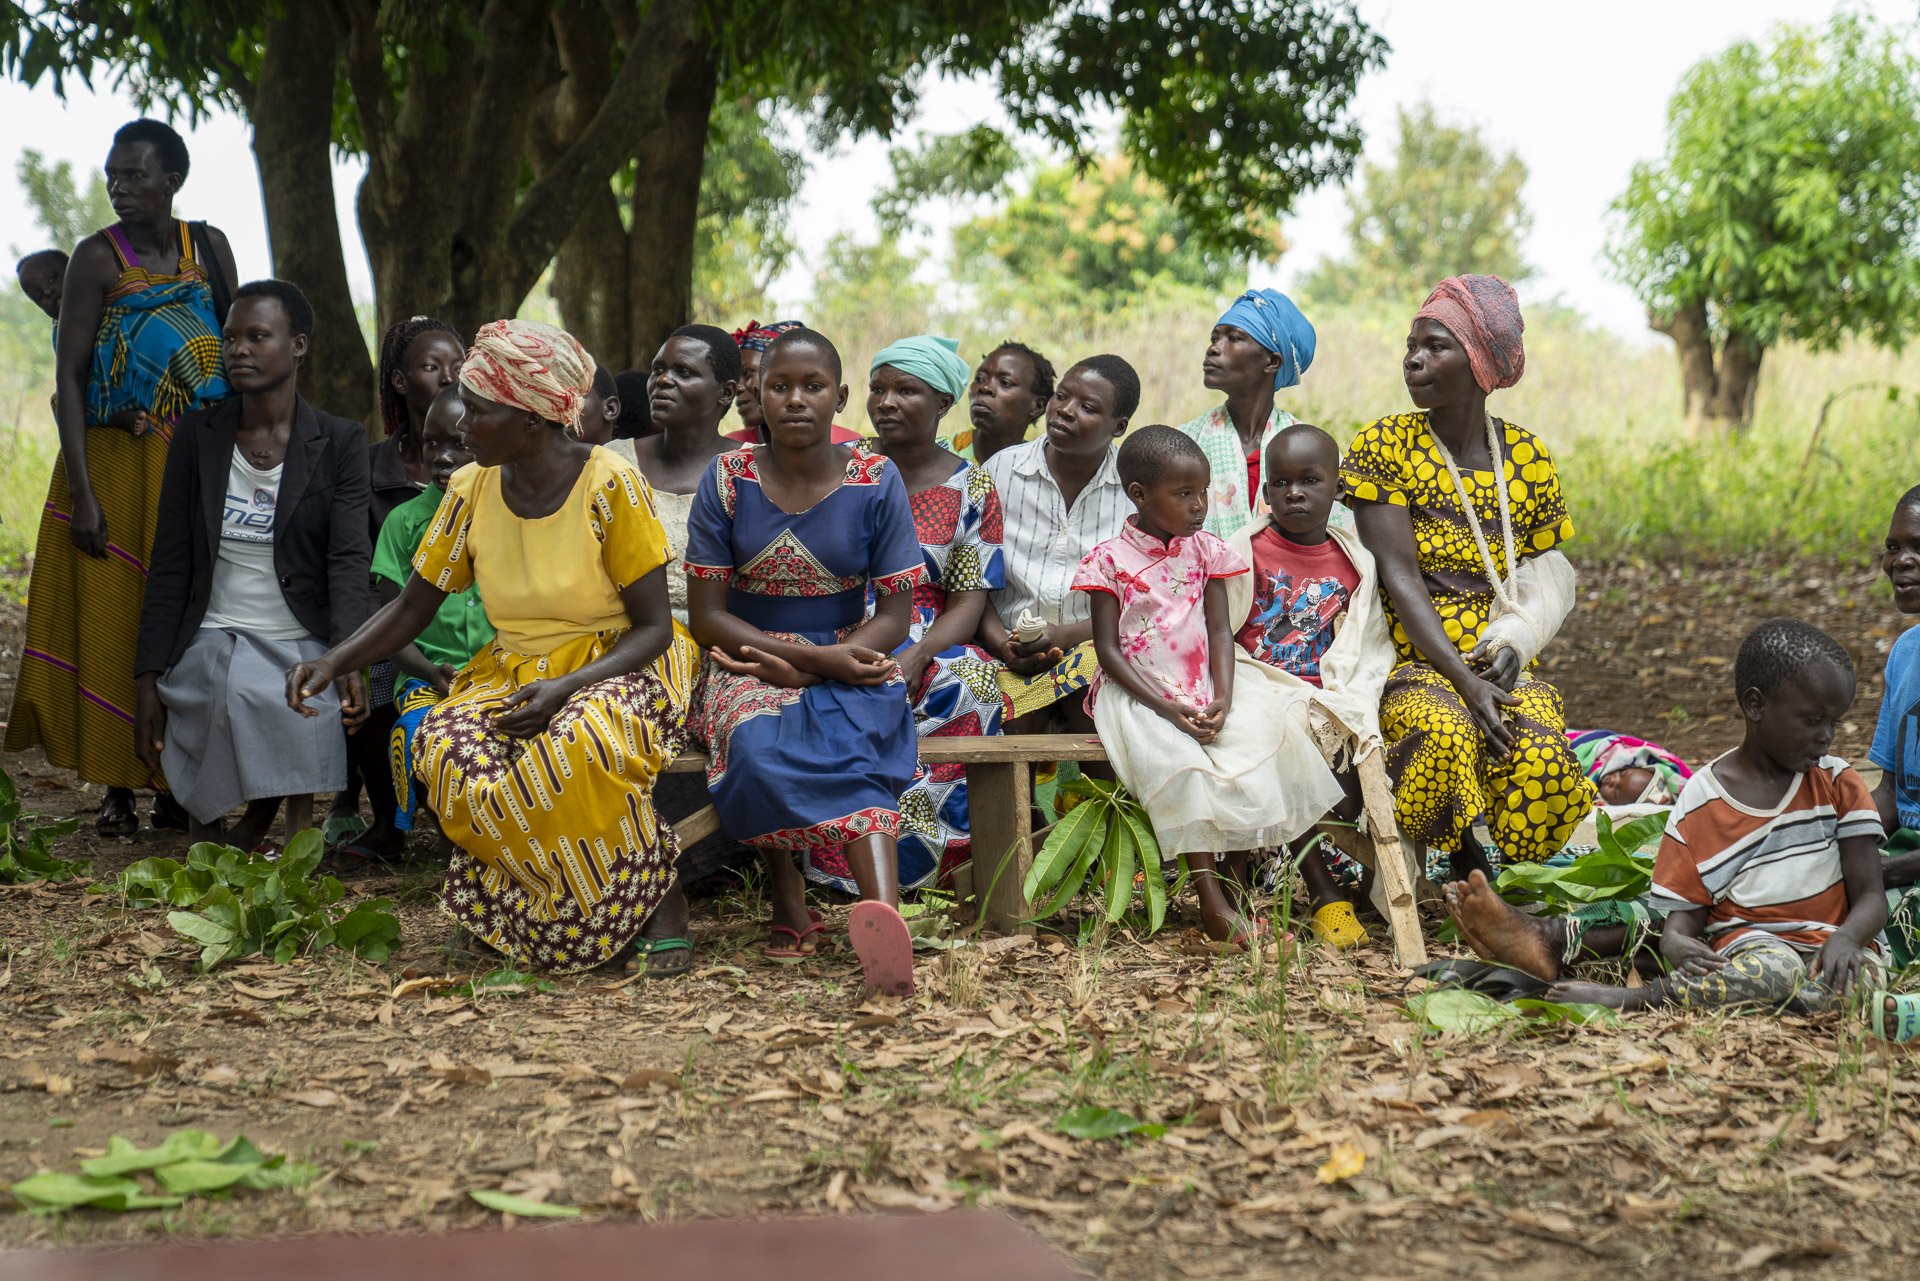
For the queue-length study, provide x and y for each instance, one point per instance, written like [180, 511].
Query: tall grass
[1610, 410]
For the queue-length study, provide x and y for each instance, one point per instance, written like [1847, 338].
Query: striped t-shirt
[1774, 871]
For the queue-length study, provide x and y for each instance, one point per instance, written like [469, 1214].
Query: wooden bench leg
[1000, 808]
[697, 827]
[1395, 860]
[298, 815]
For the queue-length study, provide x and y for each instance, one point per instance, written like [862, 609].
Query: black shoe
[167, 814]
[117, 815]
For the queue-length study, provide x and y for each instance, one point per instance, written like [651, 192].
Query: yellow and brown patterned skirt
[561, 858]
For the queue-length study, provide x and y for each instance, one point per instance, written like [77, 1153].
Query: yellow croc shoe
[1337, 926]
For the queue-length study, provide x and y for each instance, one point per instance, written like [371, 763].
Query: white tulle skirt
[1259, 785]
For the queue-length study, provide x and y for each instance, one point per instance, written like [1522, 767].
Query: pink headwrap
[1483, 315]
[530, 366]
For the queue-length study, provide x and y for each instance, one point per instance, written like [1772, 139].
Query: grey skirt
[231, 738]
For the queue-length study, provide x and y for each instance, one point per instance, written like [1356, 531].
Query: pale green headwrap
[934, 361]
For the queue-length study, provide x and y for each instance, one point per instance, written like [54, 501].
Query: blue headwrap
[934, 361]
[1270, 319]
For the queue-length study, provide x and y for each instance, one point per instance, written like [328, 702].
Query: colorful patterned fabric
[1483, 315]
[158, 346]
[1445, 776]
[159, 350]
[1161, 589]
[1271, 319]
[1073, 673]
[531, 366]
[413, 698]
[561, 858]
[1773, 872]
[958, 524]
[1602, 752]
[798, 769]
[1233, 497]
[1761, 973]
[1397, 461]
[755, 336]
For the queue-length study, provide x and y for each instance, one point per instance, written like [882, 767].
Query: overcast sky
[1578, 91]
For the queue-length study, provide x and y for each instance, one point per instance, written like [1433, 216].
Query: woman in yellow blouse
[540, 763]
[1469, 729]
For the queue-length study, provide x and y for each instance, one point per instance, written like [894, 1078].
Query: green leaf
[1453, 1009]
[507, 1204]
[199, 1176]
[1092, 1122]
[1075, 879]
[123, 1156]
[1060, 850]
[1154, 882]
[1575, 1013]
[201, 929]
[1118, 855]
[54, 1191]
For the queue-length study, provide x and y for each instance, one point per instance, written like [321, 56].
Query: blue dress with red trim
[802, 769]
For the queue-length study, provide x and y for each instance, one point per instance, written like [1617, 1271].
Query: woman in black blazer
[260, 560]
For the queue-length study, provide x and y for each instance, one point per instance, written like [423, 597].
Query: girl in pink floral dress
[1223, 768]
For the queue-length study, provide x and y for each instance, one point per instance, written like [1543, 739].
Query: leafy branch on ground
[1455, 1009]
[1619, 871]
[235, 904]
[1102, 841]
[26, 842]
[186, 1163]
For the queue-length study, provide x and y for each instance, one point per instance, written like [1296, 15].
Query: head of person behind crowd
[1165, 475]
[600, 417]
[911, 384]
[1794, 684]
[521, 381]
[419, 358]
[636, 413]
[41, 274]
[1261, 344]
[443, 446]
[752, 342]
[1091, 406]
[1009, 394]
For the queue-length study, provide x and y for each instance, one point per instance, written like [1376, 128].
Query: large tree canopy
[1787, 206]
[495, 130]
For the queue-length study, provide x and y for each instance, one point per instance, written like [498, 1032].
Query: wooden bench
[1000, 806]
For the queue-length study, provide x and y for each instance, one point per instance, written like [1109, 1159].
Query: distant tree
[866, 287]
[952, 167]
[67, 211]
[1786, 207]
[1085, 240]
[1447, 203]
[747, 186]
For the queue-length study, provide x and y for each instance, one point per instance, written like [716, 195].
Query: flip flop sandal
[119, 823]
[1256, 935]
[1338, 927]
[790, 953]
[1902, 1023]
[340, 828]
[1497, 981]
[646, 949]
[885, 949]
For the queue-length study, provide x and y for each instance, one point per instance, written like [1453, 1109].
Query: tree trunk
[1740, 359]
[666, 207]
[292, 115]
[1693, 342]
[590, 270]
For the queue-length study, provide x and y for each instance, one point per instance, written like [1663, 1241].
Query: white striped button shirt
[1045, 539]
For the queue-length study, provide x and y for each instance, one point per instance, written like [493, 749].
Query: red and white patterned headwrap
[1483, 315]
[530, 366]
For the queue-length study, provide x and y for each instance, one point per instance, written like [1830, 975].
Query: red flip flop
[885, 948]
[797, 950]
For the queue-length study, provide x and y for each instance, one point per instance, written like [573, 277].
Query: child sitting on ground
[459, 629]
[1770, 869]
[1205, 753]
[1310, 613]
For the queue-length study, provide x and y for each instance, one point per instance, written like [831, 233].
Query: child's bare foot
[1498, 932]
[1619, 998]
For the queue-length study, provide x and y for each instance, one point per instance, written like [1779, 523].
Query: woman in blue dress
[803, 711]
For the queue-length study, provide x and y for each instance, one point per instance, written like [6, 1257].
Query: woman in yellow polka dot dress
[1469, 732]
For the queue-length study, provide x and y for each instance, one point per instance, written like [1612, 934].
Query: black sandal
[167, 814]
[1500, 982]
[117, 816]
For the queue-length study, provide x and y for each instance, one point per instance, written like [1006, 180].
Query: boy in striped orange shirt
[1769, 872]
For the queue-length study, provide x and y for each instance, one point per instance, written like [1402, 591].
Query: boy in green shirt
[458, 631]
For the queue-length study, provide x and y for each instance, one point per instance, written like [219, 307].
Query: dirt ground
[1309, 1122]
